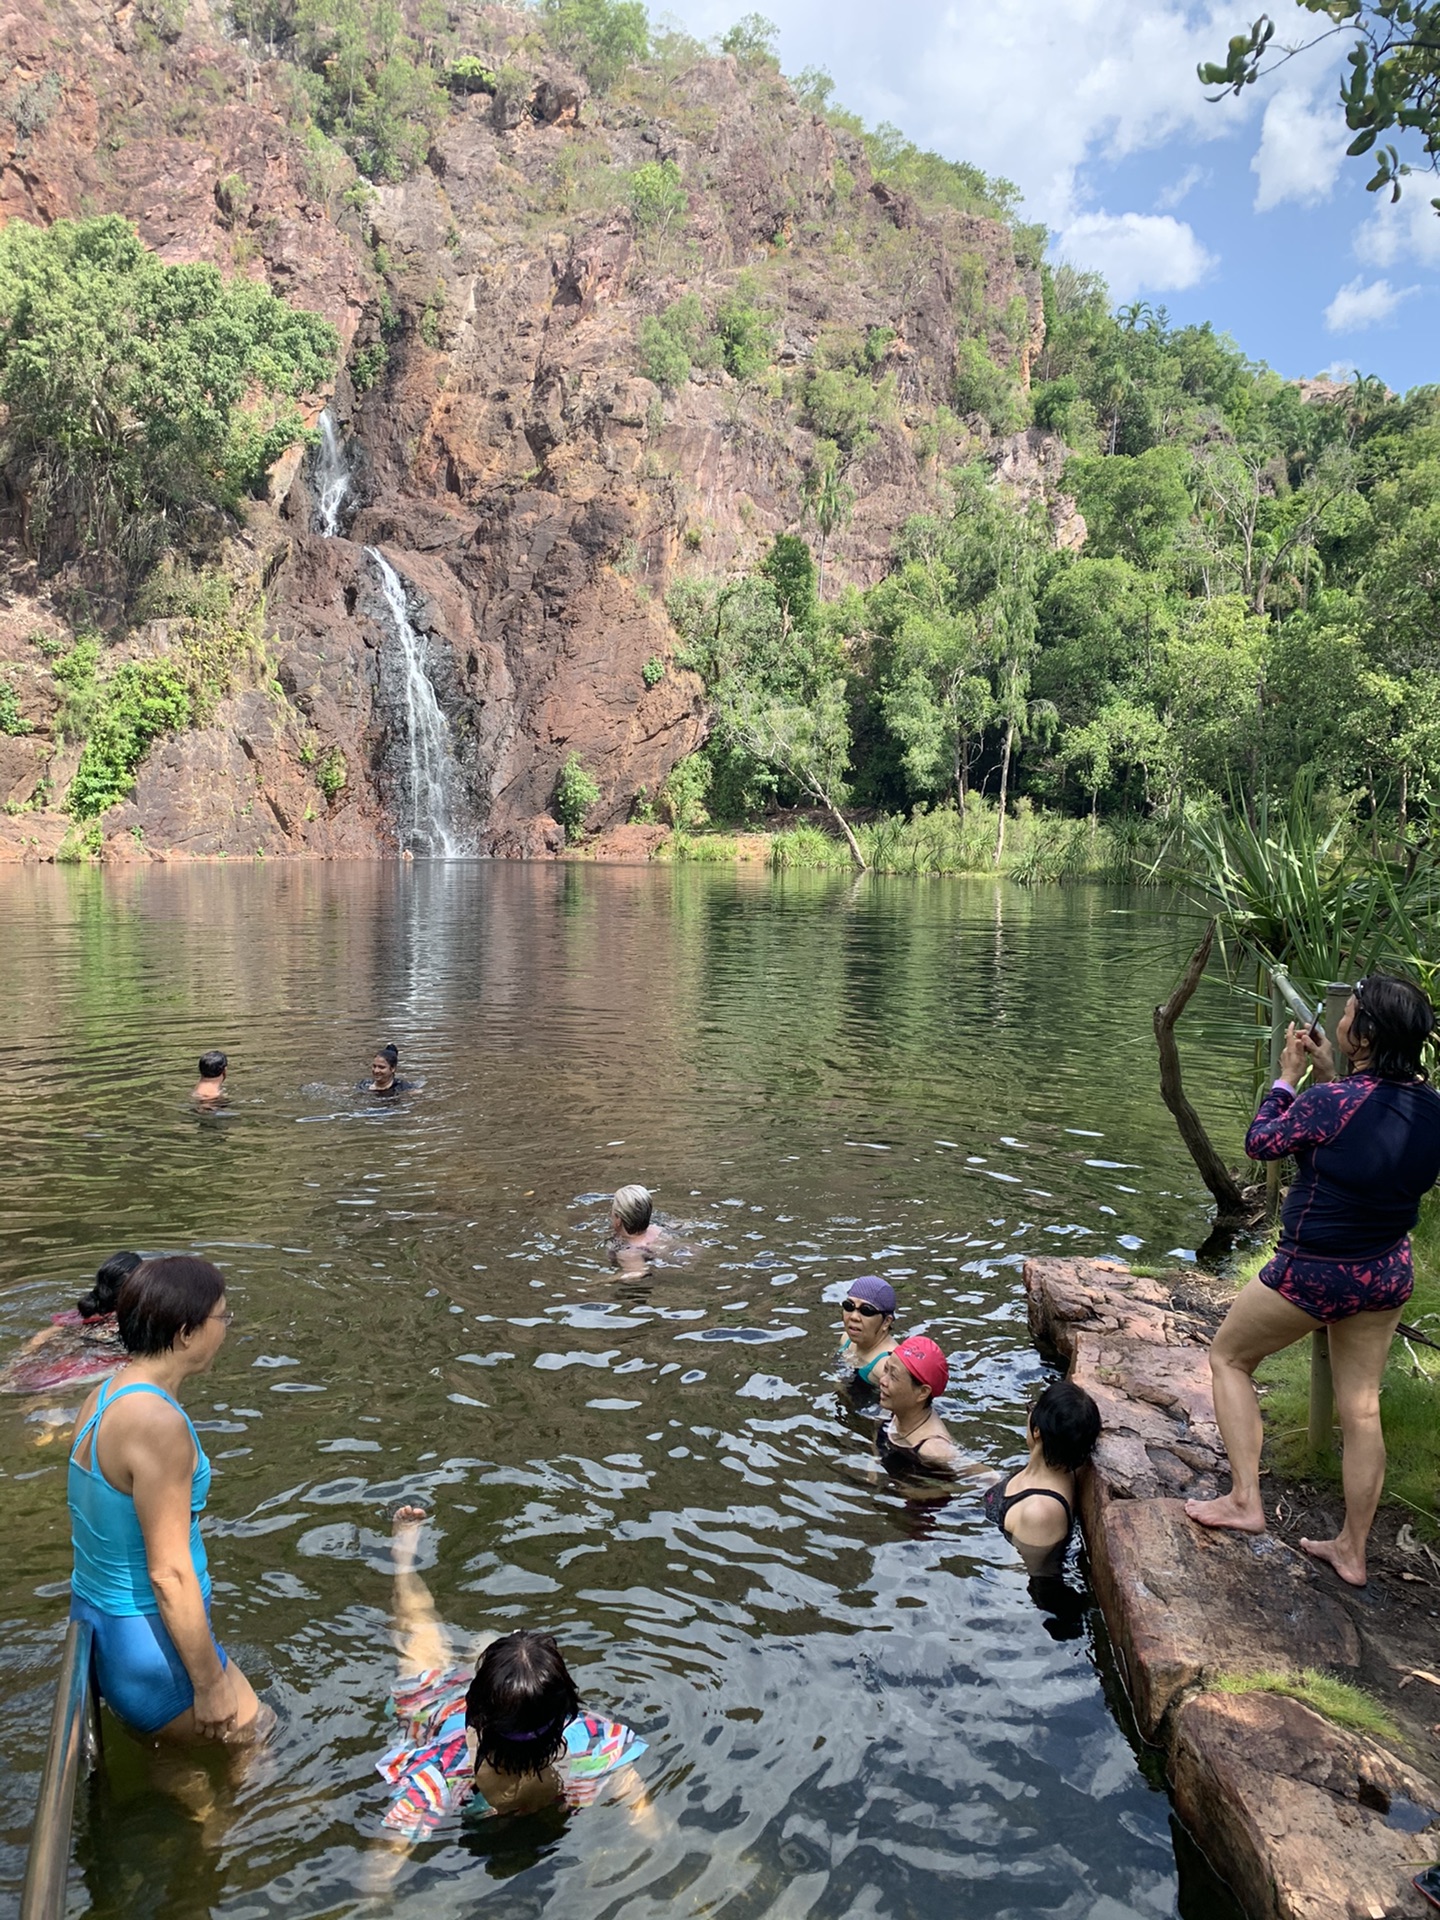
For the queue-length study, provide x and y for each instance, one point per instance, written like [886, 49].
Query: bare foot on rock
[1350, 1569]
[1235, 1516]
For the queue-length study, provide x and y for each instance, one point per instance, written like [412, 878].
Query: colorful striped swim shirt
[431, 1766]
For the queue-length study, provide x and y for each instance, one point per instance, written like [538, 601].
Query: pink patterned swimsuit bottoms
[1335, 1289]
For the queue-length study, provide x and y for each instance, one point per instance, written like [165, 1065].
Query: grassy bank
[1039, 846]
[1409, 1393]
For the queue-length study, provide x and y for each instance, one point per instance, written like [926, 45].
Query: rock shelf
[1305, 1819]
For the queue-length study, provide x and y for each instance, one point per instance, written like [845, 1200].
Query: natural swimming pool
[853, 1704]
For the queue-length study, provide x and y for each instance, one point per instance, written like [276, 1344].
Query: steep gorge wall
[534, 491]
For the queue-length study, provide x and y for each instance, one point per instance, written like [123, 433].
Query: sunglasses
[860, 1306]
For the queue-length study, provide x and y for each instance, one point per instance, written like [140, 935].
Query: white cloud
[1136, 252]
[1170, 197]
[1302, 149]
[1408, 230]
[1356, 305]
[1034, 92]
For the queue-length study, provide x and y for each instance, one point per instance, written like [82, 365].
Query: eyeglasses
[860, 1306]
[224, 1318]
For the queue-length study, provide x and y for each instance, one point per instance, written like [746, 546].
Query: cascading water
[331, 479]
[430, 770]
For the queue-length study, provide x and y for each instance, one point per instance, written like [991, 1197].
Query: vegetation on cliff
[137, 394]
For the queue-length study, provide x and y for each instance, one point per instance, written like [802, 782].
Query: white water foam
[431, 756]
[332, 478]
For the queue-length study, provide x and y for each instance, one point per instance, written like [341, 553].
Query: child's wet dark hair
[520, 1702]
[1067, 1423]
[108, 1282]
[212, 1065]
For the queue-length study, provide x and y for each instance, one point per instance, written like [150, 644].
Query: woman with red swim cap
[912, 1439]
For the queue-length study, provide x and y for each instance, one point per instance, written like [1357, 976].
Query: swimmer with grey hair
[636, 1237]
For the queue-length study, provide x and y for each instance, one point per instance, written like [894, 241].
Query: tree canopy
[136, 392]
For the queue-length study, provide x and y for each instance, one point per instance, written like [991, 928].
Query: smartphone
[1428, 1883]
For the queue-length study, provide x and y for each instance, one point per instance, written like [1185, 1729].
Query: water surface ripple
[855, 1706]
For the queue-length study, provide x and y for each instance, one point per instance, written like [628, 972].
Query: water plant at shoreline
[1041, 847]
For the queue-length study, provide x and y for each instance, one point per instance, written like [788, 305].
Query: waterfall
[425, 817]
[331, 478]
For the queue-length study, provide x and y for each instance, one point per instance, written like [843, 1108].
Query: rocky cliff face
[534, 493]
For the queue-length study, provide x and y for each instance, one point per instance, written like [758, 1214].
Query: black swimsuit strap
[1040, 1493]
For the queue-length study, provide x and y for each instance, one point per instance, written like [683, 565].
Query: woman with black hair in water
[1368, 1149]
[1035, 1506]
[79, 1345]
[384, 1079]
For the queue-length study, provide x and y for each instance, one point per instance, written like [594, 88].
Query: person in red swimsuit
[1368, 1150]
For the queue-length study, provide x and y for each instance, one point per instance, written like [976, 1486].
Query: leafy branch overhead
[1393, 83]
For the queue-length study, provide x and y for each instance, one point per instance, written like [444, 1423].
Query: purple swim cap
[878, 1292]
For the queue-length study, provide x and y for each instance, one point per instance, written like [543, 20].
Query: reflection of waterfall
[331, 481]
[426, 814]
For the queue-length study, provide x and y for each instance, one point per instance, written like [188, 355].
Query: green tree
[937, 700]
[789, 566]
[743, 330]
[135, 391]
[603, 37]
[366, 86]
[751, 41]
[657, 198]
[1393, 83]
[671, 341]
[827, 497]
[1134, 506]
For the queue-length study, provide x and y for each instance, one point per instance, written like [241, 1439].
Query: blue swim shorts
[137, 1668]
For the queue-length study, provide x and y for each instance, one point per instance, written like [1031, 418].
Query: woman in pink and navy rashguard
[1368, 1150]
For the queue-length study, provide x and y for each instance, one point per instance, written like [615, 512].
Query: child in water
[867, 1314]
[79, 1345]
[508, 1737]
[210, 1089]
[1035, 1506]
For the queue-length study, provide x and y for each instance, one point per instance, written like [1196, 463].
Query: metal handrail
[74, 1742]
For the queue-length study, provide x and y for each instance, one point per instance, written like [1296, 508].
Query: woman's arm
[161, 1460]
[1286, 1123]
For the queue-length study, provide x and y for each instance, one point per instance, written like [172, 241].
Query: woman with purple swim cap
[868, 1316]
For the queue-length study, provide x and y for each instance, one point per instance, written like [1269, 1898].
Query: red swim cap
[925, 1362]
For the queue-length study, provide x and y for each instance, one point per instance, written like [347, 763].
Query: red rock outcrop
[1305, 1820]
[535, 492]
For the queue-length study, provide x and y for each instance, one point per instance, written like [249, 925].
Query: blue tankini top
[111, 1571]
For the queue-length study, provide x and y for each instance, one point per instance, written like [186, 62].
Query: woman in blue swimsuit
[138, 1481]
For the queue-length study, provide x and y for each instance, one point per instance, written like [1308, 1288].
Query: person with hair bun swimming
[384, 1078]
[913, 1441]
[507, 1736]
[79, 1345]
[138, 1482]
[867, 1314]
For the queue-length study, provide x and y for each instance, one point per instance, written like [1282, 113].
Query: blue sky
[1245, 213]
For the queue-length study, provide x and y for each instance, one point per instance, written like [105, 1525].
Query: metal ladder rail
[74, 1742]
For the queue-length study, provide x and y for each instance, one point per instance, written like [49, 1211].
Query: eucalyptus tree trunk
[1004, 788]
